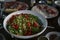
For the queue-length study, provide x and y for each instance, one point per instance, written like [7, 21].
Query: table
[51, 22]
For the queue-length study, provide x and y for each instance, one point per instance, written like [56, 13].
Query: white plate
[44, 13]
[59, 20]
[48, 34]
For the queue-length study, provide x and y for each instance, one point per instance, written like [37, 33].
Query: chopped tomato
[28, 33]
[28, 24]
[15, 26]
[51, 11]
[35, 24]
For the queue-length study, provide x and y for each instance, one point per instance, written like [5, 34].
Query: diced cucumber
[20, 32]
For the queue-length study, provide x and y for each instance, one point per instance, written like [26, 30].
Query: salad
[24, 24]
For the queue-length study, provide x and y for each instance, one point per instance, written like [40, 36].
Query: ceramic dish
[14, 6]
[45, 10]
[52, 34]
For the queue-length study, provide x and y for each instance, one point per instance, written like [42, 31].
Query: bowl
[52, 35]
[57, 3]
[10, 7]
[47, 11]
[44, 22]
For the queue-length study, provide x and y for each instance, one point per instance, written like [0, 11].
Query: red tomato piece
[51, 11]
[35, 24]
[28, 24]
[27, 33]
[15, 26]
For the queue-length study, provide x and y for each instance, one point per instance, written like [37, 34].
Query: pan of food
[25, 24]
